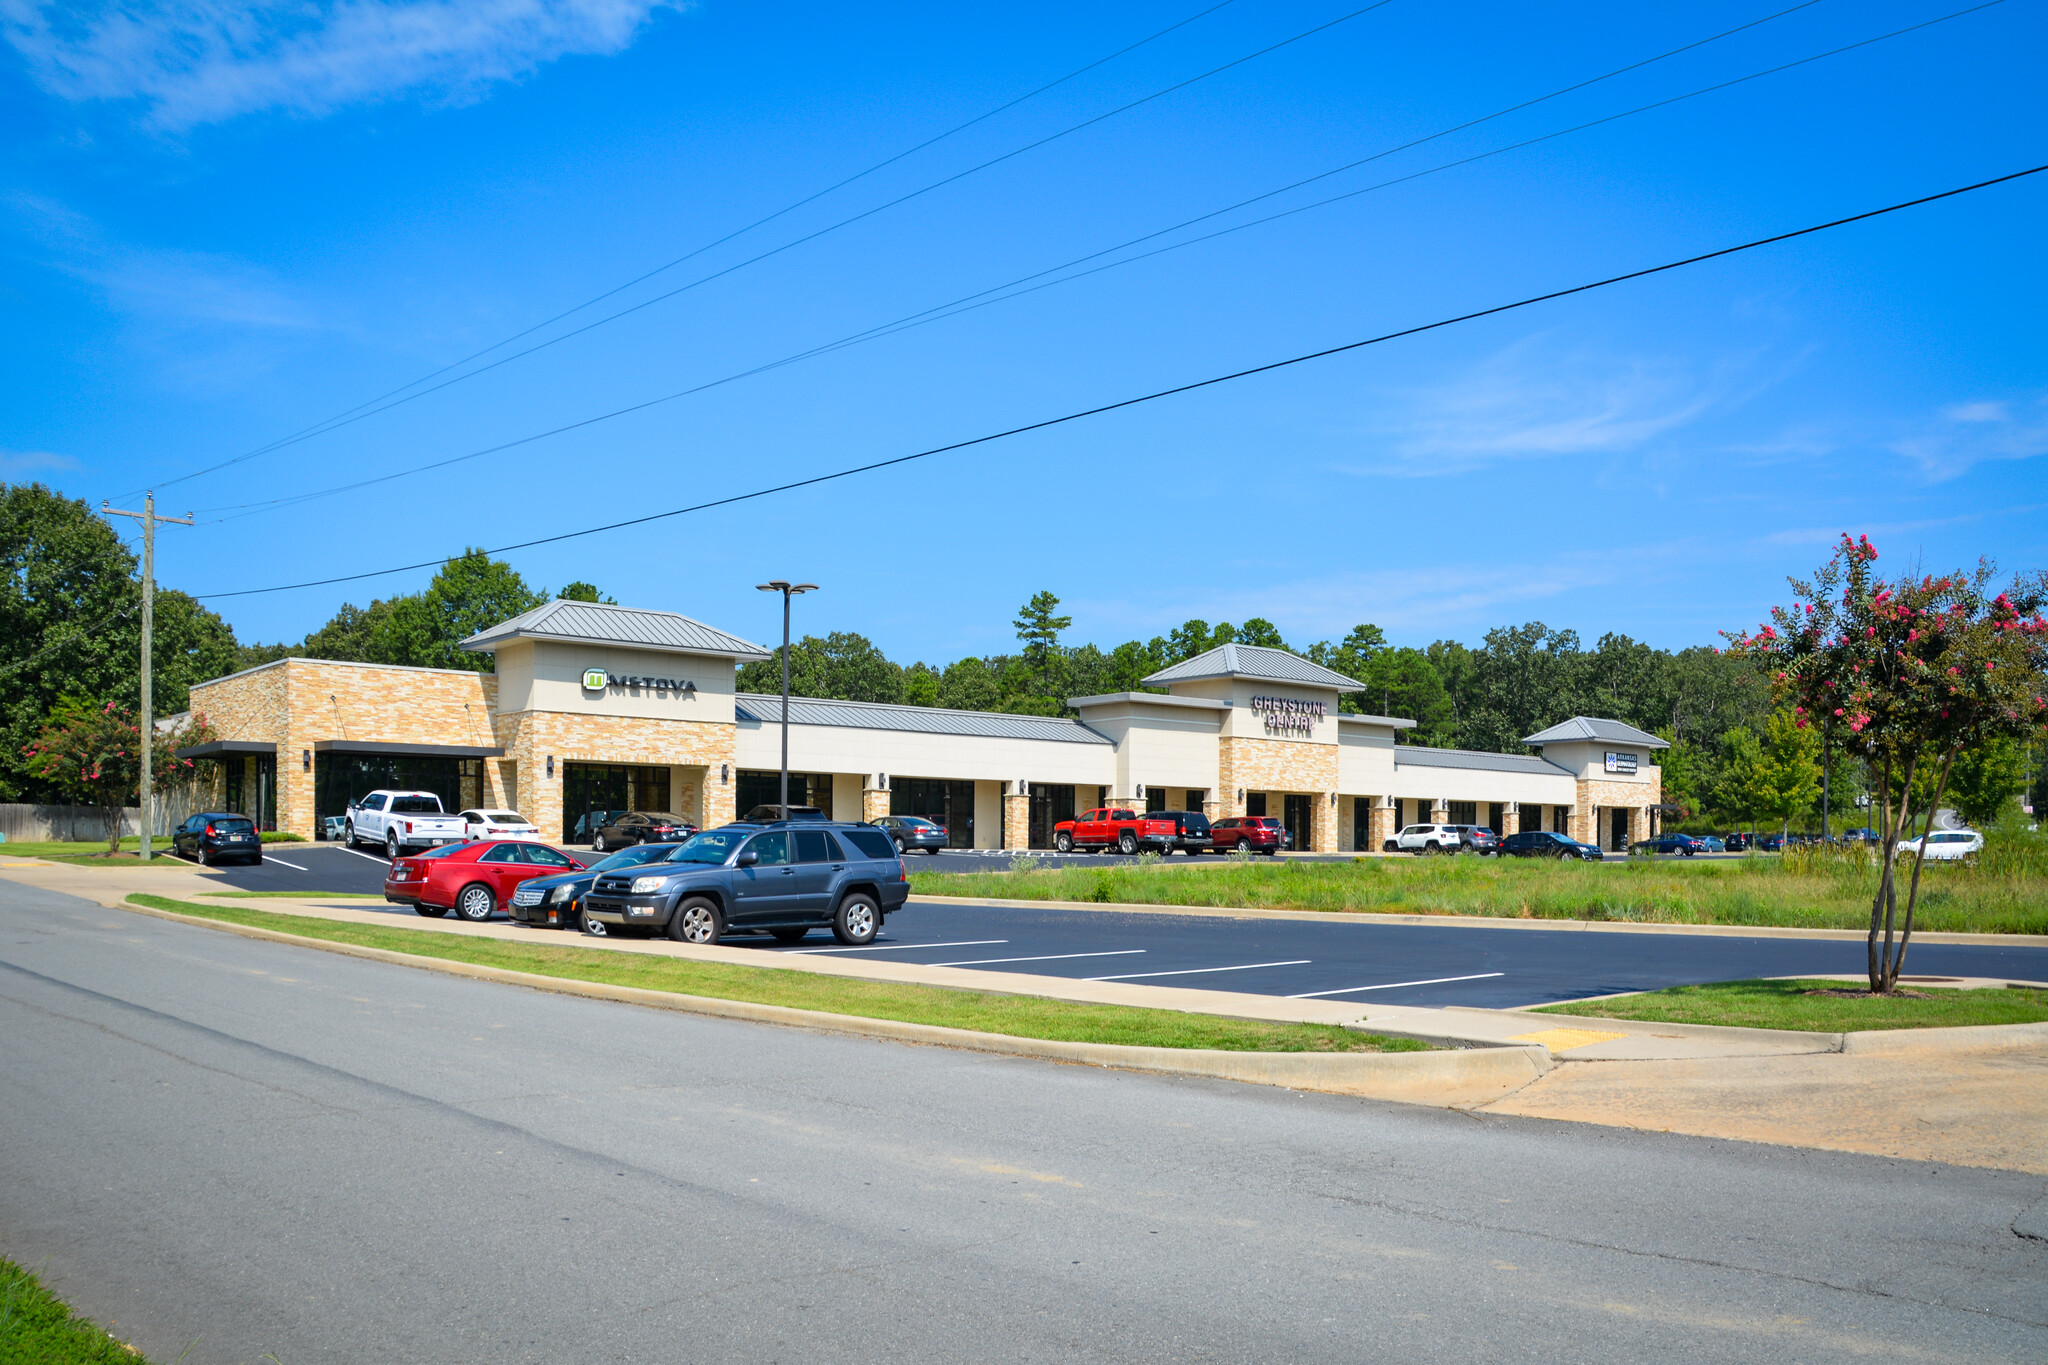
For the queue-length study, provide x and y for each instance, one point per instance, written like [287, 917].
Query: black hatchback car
[217, 836]
[641, 827]
[913, 831]
[1545, 844]
[1190, 832]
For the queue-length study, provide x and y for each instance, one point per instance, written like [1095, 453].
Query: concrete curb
[1482, 921]
[1922, 1042]
[1442, 1079]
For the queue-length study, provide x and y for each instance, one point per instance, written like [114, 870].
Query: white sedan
[499, 824]
[1946, 843]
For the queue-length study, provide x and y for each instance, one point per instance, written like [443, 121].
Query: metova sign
[599, 680]
[1287, 716]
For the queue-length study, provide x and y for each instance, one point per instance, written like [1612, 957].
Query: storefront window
[593, 793]
[753, 787]
[339, 779]
[946, 803]
[1464, 812]
[1050, 804]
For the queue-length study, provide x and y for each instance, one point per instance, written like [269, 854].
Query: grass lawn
[1803, 1005]
[2005, 892]
[1012, 1015]
[293, 895]
[94, 852]
[36, 1327]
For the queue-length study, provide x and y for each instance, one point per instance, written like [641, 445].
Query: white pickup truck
[402, 820]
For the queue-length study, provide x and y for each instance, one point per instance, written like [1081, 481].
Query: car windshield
[663, 817]
[232, 826]
[504, 817]
[634, 856]
[915, 822]
[415, 805]
[712, 846]
[1198, 823]
[1269, 822]
[444, 850]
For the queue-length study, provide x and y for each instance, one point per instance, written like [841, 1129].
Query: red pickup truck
[1124, 830]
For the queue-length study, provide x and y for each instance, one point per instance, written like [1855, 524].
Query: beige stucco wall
[542, 675]
[1159, 743]
[833, 749]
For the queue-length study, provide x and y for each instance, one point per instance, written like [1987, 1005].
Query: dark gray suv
[785, 879]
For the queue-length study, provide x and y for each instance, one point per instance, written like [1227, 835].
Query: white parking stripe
[1197, 971]
[897, 947]
[371, 856]
[1050, 957]
[1395, 985]
[272, 858]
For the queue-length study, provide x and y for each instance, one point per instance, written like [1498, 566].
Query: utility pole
[148, 517]
[788, 591]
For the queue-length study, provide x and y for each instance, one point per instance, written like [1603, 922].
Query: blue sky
[222, 224]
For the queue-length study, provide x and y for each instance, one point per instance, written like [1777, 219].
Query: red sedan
[471, 879]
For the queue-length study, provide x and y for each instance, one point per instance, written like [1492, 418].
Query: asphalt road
[283, 1153]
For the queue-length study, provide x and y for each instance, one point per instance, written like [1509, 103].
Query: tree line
[69, 625]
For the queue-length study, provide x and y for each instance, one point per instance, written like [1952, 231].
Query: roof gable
[1257, 663]
[602, 623]
[1593, 727]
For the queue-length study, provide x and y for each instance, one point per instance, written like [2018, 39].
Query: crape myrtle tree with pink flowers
[1906, 675]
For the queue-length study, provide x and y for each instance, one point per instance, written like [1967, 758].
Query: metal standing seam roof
[927, 720]
[1421, 756]
[599, 623]
[1593, 727]
[1257, 663]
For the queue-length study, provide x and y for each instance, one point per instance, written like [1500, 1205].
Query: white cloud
[21, 464]
[191, 62]
[1966, 434]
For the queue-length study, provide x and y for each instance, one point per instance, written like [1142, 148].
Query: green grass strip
[293, 895]
[37, 1328]
[1799, 1005]
[2007, 893]
[1014, 1016]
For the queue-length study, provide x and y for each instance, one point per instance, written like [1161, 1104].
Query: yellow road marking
[1564, 1039]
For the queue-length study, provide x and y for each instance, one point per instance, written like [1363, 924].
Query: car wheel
[1564, 853]
[476, 902]
[597, 843]
[1391, 846]
[391, 844]
[1686, 851]
[794, 934]
[596, 928]
[431, 911]
[205, 856]
[696, 920]
[1126, 843]
[902, 848]
[1063, 841]
[348, 835]
[856, 921]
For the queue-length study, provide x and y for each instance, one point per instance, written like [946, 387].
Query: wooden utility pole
[148, 517]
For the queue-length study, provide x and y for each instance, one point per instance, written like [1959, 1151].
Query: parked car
[557, 901]
[1683, 844]
[913, 831]
[471, 879]
[1422, 839]
[1476, 839]
[498, 824]
[1108, 827]
[784, 880]
[1944, 845]
[334, 828]
[1860, 836]
[216, 836]
[761, 815]
[1770, 843]
[1738, 842]
[1253, 833]
[1191, 833]
[1710, 843]
[641, 827]
[1546, 844]
[402, 820]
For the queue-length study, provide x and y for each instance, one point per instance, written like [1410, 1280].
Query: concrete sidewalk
[1973, 1097]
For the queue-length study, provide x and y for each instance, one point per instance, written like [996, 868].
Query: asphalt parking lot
[1482, 964]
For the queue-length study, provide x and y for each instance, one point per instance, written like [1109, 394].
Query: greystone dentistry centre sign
[1287, 716]
[598, 680]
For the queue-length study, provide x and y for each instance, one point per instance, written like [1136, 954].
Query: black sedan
[913, 831]
[1544, 844]
[1682, 844]
[641, 827]
[553, 902]
[217, 836]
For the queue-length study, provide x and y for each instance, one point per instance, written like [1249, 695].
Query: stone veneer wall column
[1324, 817]
[1016, 821]
[1439, 813]
[1510, 818]
[1280, 766]
[874, 801]
[1382, 822]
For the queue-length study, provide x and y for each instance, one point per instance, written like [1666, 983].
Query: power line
[1165, 393]
[377, 406]
[996, 294]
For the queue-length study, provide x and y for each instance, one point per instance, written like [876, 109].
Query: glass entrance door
[945, 803]
[1051, 802]
[594, 792]
[1298, 821]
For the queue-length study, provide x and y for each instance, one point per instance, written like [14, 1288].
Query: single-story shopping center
[599, 707]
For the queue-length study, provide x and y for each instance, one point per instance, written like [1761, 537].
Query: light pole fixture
[788, 590]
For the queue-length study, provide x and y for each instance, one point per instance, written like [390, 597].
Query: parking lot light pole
[788, 590]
